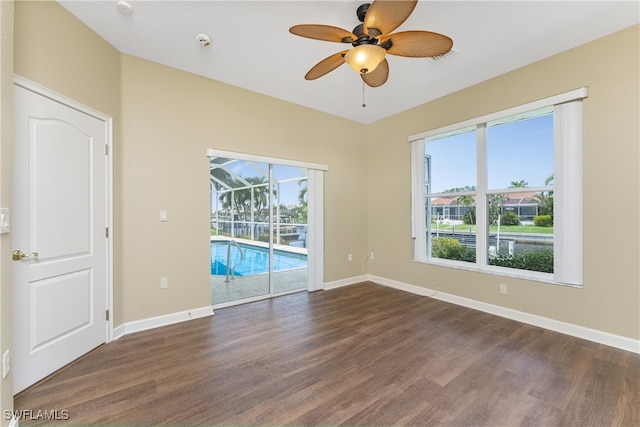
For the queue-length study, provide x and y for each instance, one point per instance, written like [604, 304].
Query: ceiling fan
[372, 40]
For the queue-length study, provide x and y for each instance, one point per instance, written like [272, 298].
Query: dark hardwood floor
[359, 355]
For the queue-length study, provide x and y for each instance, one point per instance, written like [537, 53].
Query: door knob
[18, 255]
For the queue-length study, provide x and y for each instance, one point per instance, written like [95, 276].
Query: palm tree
[518, 184]
[496, 207]
[469, 217]
[466, 200]
[302, 198]
[235, 199]
[240, 199]
[544, 199]
[260, 189]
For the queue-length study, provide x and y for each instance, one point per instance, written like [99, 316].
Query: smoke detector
[124, 7]
[203, 39]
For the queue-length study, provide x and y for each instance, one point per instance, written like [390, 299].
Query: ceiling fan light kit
[365, 58]
[373, 39]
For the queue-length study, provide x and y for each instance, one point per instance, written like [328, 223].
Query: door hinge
[107, 315]
[106, 232]
[106, 150]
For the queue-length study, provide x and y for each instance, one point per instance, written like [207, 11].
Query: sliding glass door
[289, 224]
[259, 229]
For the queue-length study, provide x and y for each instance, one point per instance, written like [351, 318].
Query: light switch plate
[164, 216]
[6, 363]
[4, 220]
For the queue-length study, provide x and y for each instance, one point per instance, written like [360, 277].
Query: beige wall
[6, 182]
[609, 300]
[165, 119]
[170, 118]
[55, 50]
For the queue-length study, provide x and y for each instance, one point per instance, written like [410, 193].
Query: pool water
[255, 259]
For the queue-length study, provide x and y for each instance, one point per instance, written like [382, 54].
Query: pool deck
[245, 288]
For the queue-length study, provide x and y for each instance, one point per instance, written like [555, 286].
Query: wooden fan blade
[377, 77]
[417, 44]
[322, 32]
[385, 16]
[325, 66]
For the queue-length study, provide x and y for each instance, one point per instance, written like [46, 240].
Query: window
[503, 193]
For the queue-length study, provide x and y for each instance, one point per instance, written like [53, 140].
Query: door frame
[315, 220]
[108, 120]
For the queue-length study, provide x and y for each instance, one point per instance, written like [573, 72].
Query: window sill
[497, 271]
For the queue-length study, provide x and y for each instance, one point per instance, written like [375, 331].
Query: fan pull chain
[364, 105]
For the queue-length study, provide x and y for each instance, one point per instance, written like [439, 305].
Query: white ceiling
[253, 49]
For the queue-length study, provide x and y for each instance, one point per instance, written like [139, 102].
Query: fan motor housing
[363, 38]
[362, 11]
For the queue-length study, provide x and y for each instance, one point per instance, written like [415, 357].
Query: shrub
[543, 221]
[509, 218]
[449, 248]
[541, 260]
[444, 247]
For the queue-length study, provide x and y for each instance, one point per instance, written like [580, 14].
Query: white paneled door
[59, 231]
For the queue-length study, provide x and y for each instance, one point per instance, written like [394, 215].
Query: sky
[289, 191]
[521, 150]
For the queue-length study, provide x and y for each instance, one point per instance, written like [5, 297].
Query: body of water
[254, 260]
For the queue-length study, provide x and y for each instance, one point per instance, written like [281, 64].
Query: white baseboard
[589, 334]
[345, 282]
[594, 335]
[418, 290]
[118, 332]
[158, 321]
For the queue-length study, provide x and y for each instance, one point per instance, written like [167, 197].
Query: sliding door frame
[315, 210]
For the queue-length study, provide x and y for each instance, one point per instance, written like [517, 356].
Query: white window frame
[568, 176]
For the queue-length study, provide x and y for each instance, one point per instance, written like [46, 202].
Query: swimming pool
[255, 259]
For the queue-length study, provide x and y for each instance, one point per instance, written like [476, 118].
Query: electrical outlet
[350, 257]
[503, 289]
[164, 283]
[6, 363]
[371, 255]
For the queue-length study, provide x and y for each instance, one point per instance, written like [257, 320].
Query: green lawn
[494, 228]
